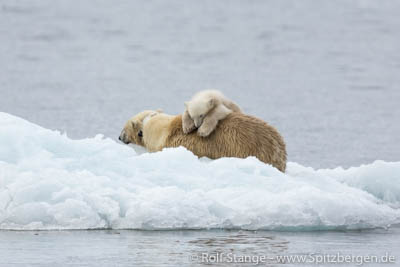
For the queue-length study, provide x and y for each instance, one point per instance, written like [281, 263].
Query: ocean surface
[188, 248]
[325, 73]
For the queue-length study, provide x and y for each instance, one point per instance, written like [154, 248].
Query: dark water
[189, 248]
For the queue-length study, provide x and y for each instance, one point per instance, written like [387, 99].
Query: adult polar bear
[238, 135]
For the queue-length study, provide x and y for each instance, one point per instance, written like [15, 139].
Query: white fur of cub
[205, 110]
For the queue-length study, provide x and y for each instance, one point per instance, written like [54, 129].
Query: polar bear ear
[159, 110]
[186, 104]
[211, 103]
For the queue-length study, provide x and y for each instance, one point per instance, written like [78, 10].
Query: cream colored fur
[238, 135]
[156, 129]
[205, 110]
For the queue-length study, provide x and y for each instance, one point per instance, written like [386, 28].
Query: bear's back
[238, 135]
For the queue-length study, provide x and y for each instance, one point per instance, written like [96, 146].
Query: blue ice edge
[51, 182]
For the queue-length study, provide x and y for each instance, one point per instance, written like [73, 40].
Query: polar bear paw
[204, 131]
[187, 123]
[188, 128]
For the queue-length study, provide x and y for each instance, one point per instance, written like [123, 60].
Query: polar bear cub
[205, 110]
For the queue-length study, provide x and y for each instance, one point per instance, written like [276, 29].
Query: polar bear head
[133, 129]
[199, 108]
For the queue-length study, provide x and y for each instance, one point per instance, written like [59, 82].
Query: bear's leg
[187, 123]
[208, 126]
[232, 106]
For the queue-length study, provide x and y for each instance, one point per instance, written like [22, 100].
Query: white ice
[49, 181]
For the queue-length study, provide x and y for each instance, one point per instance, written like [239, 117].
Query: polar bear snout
[198, 122]
[122, 137]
